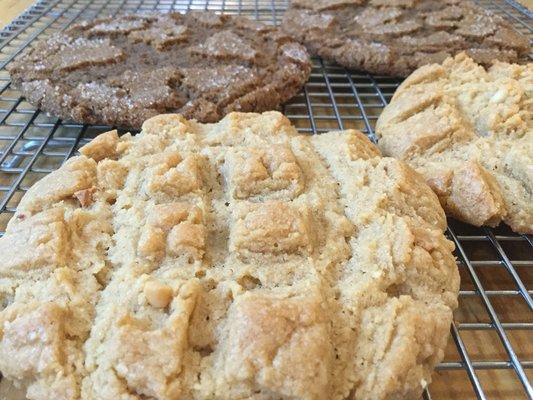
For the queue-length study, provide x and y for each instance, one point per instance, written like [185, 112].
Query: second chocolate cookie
[395, 37]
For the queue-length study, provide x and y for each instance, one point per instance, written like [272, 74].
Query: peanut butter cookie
[468, 130]
[237, 260]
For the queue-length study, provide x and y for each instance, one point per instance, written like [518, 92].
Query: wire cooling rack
[490, 352]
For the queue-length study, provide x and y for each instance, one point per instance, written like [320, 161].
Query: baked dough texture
[395, 37]
[236, 260]
[469, 131]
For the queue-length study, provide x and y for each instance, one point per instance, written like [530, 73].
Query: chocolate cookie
[395, 37]
[121, 71]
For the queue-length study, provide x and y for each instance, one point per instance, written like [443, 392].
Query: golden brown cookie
[469, 132]
[224, 261]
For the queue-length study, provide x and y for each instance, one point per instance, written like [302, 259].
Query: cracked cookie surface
[226, 261]
[124, 70]
[396, 37]
[469, 131]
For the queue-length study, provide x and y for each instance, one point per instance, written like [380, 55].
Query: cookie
[469, 131]
[230, 260]
[124, 70]
[396, 37]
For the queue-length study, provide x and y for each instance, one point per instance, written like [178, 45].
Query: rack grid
[490, 351]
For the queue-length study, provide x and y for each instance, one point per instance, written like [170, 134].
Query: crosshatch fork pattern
[490, 353]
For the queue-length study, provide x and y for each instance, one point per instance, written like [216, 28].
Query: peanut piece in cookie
[158, 294]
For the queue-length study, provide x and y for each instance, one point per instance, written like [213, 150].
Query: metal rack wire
[491, 348]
